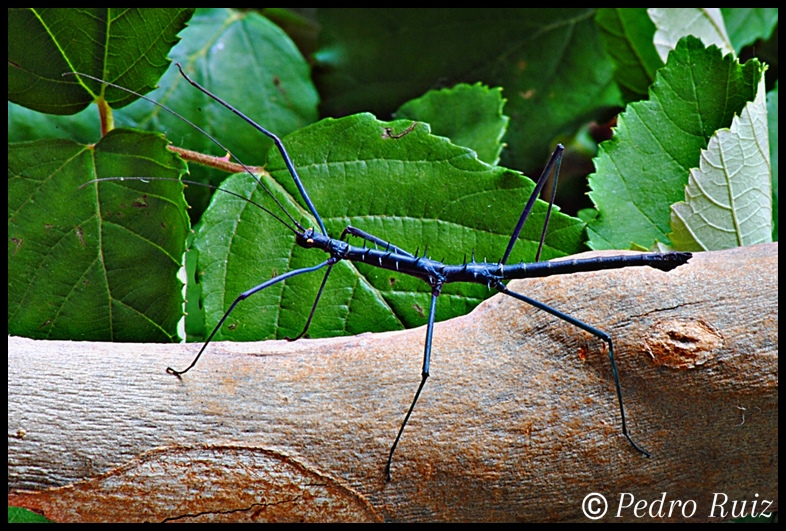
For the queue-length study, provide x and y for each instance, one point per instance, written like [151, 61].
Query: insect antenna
[209, 136]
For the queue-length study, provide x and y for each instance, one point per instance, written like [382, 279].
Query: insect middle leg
[554, 164]
[423, 375]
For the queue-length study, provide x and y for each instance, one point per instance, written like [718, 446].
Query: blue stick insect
[387, 255]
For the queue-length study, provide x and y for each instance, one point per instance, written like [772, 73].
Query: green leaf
[728, 198]
[470, 115]
[99, 262]
[104, 42]
[554, 72]
[412, 190]
[675, 23]
[627, 36]
[746, 25]
[550, 63]
[643, 169]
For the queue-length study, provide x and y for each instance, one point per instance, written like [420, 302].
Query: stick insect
[378, 252]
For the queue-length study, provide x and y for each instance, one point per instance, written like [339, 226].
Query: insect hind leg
[603, 336]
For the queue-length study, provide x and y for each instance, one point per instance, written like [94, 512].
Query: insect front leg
[243, 296]
[373, 239]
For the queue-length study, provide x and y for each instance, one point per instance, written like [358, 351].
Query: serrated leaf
[728, 199]
[672, 24]
[644, 168]
[100, 262]
[103, 42]
[259, 66]
[414, 191]
[470, 115]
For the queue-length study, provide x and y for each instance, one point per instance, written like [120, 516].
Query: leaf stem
[106, 116]
[219, 163]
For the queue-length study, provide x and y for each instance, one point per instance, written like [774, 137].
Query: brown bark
[519, 420]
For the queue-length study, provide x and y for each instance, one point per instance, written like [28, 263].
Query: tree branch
[518, 421]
